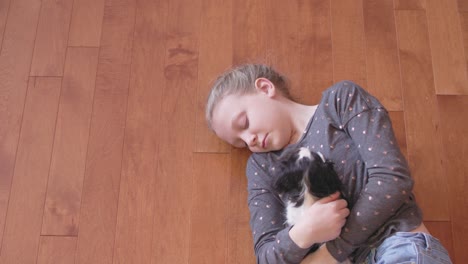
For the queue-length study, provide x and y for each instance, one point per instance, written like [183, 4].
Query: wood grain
[383, 65]
[282, 40]
[15, 60]
[462, 5]
[240, 239]
[28, 189]
[174, 176]
[62, 207]
[52, 37]
[464, 28]
[421, 115]
[57, 249]
[245, 254]
[248, 36]
[215, 53]
[454, 130]
[349, 59]
[208, 236]
[446, 41]
[138, 189]
[104, 157]
[86, 23]
[316, 63]
[4, 7]
[410, 4]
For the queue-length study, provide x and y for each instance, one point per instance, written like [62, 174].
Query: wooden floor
[104, 153]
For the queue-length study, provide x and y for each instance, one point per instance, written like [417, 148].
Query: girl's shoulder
[262, 163]
[346, 99]
[346, 93]
[260, 168]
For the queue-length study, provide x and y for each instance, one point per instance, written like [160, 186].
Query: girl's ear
[265, 86]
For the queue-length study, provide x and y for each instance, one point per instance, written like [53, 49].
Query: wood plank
[421, 114]
[86, 23]
[28, 189]
[464, 27]
[208, 233]
[244, 237]
[462, 5]
[177, 142]
[410, 4]
[138, 189]
[4, 7]
[249, 41]
[281, 20]
[240, 239]
[52, 37]
[62, 207]
[239, 159]
[349, 59]
[215, 55]
[454, 129]
[236, 184]
[57, 250]
[443, 232]
[15, 61]
[383, 65]
[446, 41]
[98, 214]
[316, 63]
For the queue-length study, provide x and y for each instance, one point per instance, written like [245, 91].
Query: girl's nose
[251, 140]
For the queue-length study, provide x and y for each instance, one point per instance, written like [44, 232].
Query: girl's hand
[321, 222]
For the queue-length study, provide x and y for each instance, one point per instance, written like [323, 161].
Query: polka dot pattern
[353, 130]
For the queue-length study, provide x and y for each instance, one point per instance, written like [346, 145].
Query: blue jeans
[407, 247]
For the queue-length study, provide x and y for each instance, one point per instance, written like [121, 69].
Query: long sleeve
[271, 237]
[389, 184]
[353, 129]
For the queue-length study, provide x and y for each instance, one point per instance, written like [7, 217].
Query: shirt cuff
[294, 253]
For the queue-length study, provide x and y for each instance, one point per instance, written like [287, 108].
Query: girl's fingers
[330, 198]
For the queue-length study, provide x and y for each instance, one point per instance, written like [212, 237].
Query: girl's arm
[275, 243]
[389, 184]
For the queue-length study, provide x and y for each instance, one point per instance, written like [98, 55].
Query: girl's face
[259, 121]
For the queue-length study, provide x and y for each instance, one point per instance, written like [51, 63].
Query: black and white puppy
[305, 176]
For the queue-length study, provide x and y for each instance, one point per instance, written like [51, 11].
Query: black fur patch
[319, 176]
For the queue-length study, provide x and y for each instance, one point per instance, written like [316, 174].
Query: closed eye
[239, 123]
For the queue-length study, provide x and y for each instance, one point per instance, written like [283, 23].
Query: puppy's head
[301, 171]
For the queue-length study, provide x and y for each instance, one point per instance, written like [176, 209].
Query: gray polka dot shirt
[351, 128]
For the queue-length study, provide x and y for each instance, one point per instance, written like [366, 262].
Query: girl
[250, 106]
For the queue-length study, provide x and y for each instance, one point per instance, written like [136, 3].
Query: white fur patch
[321, 156]
[293, 214]
[304, 153]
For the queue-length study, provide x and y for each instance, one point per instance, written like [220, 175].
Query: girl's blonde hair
[241, 80]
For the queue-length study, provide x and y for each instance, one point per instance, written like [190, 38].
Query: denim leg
[407, 247]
